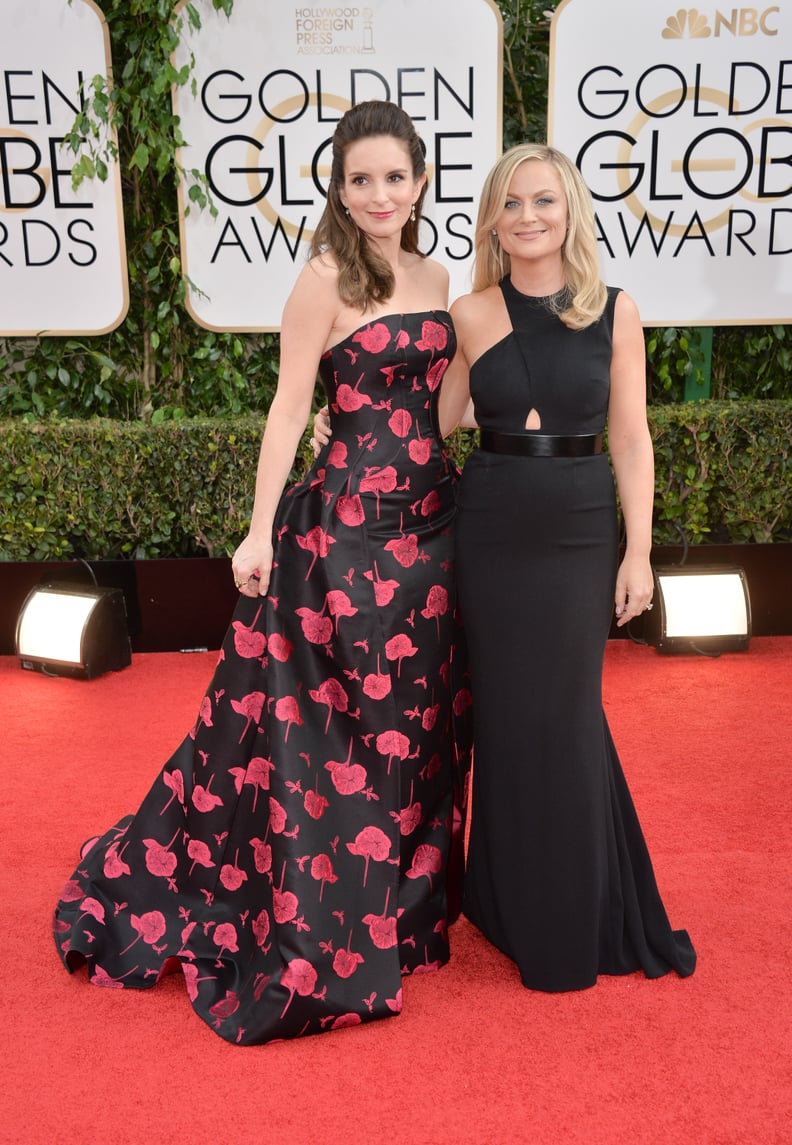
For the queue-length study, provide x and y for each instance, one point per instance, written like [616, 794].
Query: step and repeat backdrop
[62, 253]
[679, 119]
[271, 83]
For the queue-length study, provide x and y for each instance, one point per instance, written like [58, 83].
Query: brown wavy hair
[363, 275]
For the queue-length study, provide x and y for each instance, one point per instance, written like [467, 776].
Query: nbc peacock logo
[692, 24]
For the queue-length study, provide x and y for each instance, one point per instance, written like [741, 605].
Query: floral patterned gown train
[297, 853]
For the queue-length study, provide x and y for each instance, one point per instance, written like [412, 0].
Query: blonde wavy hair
[584, 300]
[363, 275]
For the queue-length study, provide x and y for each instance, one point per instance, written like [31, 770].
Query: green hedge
[105, 489]
[108, 489]
[722, 471]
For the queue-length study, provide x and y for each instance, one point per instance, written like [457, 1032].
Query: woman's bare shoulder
[627, 318]
[424, 280]
[478, 303]
[313, 299]
[481, 320]
[437, 272]
[322, 266]
[626, 304]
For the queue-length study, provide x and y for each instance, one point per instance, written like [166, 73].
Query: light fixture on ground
[73, 630]
[701, 608]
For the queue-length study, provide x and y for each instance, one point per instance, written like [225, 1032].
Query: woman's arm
[454, 405]
[630, 447]
[468, 419]
[308, 318]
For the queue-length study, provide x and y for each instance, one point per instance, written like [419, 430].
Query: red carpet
[474, 1059]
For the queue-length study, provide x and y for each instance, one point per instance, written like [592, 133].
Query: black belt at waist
[541, 444]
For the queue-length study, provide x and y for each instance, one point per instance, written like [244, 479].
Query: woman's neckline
[389, 317]
[545, 298]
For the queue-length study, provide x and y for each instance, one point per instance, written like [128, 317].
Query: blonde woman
[558, 875]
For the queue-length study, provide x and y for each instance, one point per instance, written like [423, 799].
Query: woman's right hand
[251, 565]
[321, 430]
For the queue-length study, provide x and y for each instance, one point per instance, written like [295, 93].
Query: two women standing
[300, 851]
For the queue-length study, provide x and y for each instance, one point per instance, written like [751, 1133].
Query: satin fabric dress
[296, 855]
[558, 873]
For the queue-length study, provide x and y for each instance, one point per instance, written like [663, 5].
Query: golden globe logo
[269, 89]
[36, 173]
[683, 134]
[62, 250]
[695, 25]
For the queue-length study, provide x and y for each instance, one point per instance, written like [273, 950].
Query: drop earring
[412, 214]
[346, 210]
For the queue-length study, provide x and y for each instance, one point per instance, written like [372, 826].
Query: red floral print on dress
[318, 767]
[373, 338]
[434, 336]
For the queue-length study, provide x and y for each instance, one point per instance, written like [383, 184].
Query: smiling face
[379, 187]
[533, 222]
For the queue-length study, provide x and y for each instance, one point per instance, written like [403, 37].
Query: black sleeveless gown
[296, 854]
[558, 874]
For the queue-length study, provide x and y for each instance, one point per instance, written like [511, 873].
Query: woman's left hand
[634, 588]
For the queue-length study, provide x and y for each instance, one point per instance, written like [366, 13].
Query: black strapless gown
[558, 874]
[296, 854]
